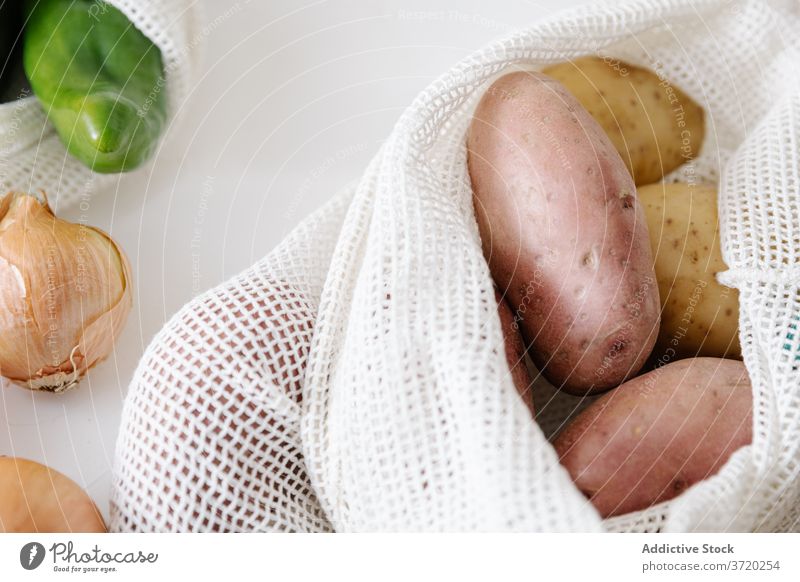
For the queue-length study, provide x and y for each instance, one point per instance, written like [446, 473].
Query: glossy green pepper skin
[100, 80]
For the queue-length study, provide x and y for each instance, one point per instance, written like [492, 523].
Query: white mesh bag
[354, 378]
[32, 158]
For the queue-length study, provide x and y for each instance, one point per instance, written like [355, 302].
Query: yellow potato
[699, 315]
[654, 126]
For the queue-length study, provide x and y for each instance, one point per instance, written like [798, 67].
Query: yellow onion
[65, 294]
[38, 499]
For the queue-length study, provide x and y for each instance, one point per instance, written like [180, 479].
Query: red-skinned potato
[563, 233]
[658, 434]
[515, 352]
[37, 499]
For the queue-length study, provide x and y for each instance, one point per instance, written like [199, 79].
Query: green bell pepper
[100, 80]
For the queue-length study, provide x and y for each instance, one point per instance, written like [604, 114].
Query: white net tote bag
[354, 379]
[32, 158]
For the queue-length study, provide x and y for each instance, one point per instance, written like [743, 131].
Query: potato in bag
[563, 233]
[654, 125]
[699, 316]
[658, 434]
[515, 352]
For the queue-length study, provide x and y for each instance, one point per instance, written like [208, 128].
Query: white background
[295, 99]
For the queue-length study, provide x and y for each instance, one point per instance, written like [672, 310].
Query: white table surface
[295, 98]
